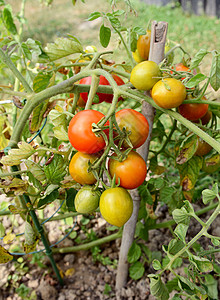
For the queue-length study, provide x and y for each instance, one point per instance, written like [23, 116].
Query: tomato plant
[193, 111]
[168, 93]
[206, 118]
[135, 124]
[144, 75]
[116, 206]
[87, 200]
[79, 166]
[132, 171]
[80, 132]
[103, 81]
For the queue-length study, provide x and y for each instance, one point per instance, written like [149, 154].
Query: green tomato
[87, 200]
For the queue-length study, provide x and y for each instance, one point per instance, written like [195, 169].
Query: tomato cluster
[126, 168]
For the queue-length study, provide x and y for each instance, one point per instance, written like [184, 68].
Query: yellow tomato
[169, 93]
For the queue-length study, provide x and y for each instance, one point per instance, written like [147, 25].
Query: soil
[85, 278]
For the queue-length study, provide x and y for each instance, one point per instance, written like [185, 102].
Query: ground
[85, 278]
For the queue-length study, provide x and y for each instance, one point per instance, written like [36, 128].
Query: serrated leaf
[37, 184]
[175, 246]
[56, 170]
[15, 156]
[181, 216]
[62, 48]
[215, 72]
[93, 16]
[157, 288]
[202, 264]
[195, 80]
[8, 21]
[156, 265]
[57, 118]
[198, 58]
[60, 132]
[16, 185]
[104, 35]
[134, 253]
[48, 199]
[136, 271]
[166, 194]
[145, 194]
[5, 256]
[35, 169]
[181, 230]
[139, 30]
[187, 149]
[189, 172]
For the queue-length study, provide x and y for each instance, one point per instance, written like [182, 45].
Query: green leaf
[195, 80]
[62, 48]
[215, 242]
[71, 194]
[2, 2]
[198, 58]
[209, 195]
[187, 149]
[133, 41]
[157, 288]
[48, 199]
[145, 194]
[156, 265]
[2, 230]
[41, 82]
[94, 15]
[118, 12]
[8, 21]
[136, 271]
[56, 170]
[60, 132]
[172, 285]
[15, 156]
[212, 286]
[139, 30]
[37, 116]
[181, 230]
[189, 172]
[202, 264]
[181, 216]
[134, 253]
[215, 72]
[166, 194]
[35, 49]
[175, 246]
[186, 284]
[104, 35]
[36, 183]
[26, 51]
[35, 169]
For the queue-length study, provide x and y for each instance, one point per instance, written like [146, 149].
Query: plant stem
[14, 70]
[89, 245]
[12, 173]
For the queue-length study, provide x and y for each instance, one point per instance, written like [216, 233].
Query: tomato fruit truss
[169, 93]
[80, 132]
[103, 81]
[87, 200]
[144, 75]
[193, 111]
[132, 171]
[203, 148]
[116, 206]
[79, 166]
[135, 124]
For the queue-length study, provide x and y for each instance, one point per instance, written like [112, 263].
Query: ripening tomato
[144, 75]
[79, 165]
[181, 67]
[135, 123]
[169, 93]
[103, 81]
[206, 118]
[143, 45]
[116, 206]
[193, 111]
[87, 200]
[203, 148]
[132, 171]
[80, 132]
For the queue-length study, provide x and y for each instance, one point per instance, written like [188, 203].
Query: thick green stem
[14, 70]
[89, 245]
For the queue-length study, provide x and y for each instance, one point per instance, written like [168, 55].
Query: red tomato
[203, 148]
[193, 111]
[132, 171]
[206, 118]
[135, 123]
[80, 132]
[103, 81]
